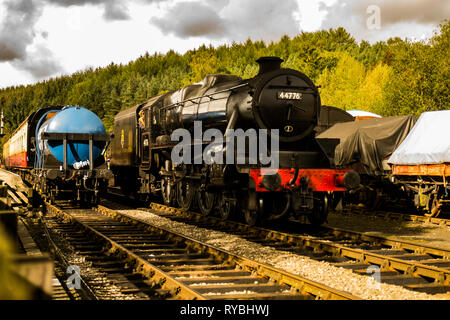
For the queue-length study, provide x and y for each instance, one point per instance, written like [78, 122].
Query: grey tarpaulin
[367, 141]
[427, 143]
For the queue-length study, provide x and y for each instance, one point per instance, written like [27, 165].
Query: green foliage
[341, 82]
[370, 92]
[421, 75]
[349, 84]
[390, 78]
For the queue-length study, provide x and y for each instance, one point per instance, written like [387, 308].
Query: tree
[390, 77]
[340, 85]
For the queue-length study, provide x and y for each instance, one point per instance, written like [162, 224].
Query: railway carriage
[421, 164]
[282, 104]
[6, 157]
[17, 156]
[58, 151]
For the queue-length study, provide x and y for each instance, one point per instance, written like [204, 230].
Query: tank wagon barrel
[68, 138]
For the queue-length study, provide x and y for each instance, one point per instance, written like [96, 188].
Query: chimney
[268, 64]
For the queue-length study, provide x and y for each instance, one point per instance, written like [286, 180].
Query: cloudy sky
[47, 38]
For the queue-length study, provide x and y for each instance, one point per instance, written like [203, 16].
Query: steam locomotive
[58, 151]
[278, 104]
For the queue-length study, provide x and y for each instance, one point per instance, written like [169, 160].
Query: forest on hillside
[393, 77]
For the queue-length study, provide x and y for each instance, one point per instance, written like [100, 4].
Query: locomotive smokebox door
[285, 100]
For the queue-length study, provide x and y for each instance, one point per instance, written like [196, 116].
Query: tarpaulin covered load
[427, 143]
[367, 141]
[329, 116]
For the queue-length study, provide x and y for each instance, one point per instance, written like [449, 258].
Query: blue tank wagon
[63, 147]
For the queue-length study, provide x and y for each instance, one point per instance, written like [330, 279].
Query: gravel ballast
[419, 232]
[364, 287]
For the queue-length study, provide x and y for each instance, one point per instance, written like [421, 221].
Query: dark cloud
[231, 19]
[421, 11]
[17, 33]
[17, 28]
[261, 19]
[40, 63]
[8, 52]
[68, 3]
[113, 9]
[407, 16]
[191, 19]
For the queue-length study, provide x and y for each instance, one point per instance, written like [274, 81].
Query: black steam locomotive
[280, 105]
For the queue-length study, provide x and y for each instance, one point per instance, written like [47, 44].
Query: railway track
[28, 246]
[99, 275]
[175, 267]
[396, 216]
[410, 265]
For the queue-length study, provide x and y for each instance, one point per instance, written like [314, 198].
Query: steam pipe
[233, 120]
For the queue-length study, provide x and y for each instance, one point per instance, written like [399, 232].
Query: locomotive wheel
[253, 217]
[320, 212]
[168, 191]
[185, 194]
[206, 201]
[278, 206]
[227, 207]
